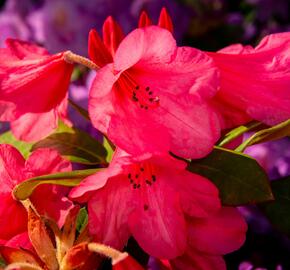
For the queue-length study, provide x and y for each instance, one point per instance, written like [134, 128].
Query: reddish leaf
[41, 241]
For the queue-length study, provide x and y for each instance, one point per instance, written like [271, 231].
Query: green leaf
[75, 145]
[82, 219]
[278, 211]
[69, 179]
[23, 147]
[110, 149]
[273, 133]
[235, 133]
[2, 262]
[239, 178]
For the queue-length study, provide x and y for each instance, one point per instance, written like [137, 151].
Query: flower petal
[46, 161]
[158, 223]
[27, 67]
[221, 233]
[144, 20]
[20, 241]
[108, 213]
[199, 197]
[165, 20]
[11, 168]
[187, 71]
[13, 217]
[261, 91]
[194, 260]
[151, 43]
[34, 126]
[112, 35]
[98, 52]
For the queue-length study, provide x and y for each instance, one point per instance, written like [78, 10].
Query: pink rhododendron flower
[100, 50]
[164, 21]
[210, 238]
[33, 89]
[147, 197]
[156, 93]
[254, 82]
[49, 200]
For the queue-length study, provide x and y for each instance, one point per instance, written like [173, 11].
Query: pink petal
[150, 44]
[89, 185]
[165, 20]
[22, 49]
[158, 223]
[108, 115]
[219, 234]
[13, 216]
[51, 201]
[23, 69]
[187, 71]
[194, 260]
[261, 91]
[112, 35]
[108, 213]
[7, 111]
[199, 197]
[20, 241]
[97, 50]
[144, 20]
[11, 168]
[100, 103]
[46, 161]
[34, 126]
[193, 128]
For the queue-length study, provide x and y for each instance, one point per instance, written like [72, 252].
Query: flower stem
[72, 58]
[107, 251]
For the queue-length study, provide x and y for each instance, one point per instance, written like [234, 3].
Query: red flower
[33, 89]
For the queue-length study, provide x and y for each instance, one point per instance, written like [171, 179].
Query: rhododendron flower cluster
[162, 108]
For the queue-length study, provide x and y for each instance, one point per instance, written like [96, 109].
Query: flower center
[143, 96]
[141, 176]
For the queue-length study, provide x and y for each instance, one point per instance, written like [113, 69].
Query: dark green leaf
[82, 219]
[238, 177]
[23, 147]
[278, 211]
[75, 145]
[69, 179]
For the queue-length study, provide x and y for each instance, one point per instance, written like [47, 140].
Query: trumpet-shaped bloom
[254, 82]
[49, 200]
[33, 89]
[156, 93]
[147, 197]
[210, 238]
